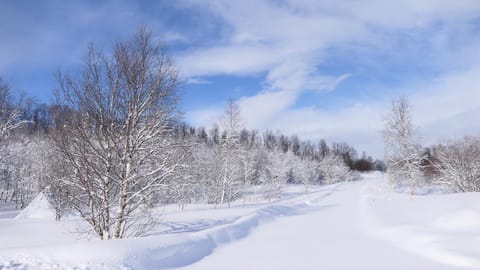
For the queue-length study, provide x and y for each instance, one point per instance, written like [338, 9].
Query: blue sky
[318, 69]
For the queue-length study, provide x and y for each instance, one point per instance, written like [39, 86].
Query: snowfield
[353, 225]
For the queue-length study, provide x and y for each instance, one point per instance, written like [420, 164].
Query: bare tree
[113, 131]
[9, 115]
[274, 175]
[183, 184]
[246, 157]
[207, 171]
[15, 166]
[21, 172]
[229, 153]
[402, 147]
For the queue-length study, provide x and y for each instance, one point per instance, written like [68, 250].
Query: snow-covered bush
[274, 174]
[333, 170]
[307, 171]
[459, 165]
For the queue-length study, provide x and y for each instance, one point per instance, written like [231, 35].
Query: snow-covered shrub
[274, 174]
[307, 171]
[459, 165]
[333, 170]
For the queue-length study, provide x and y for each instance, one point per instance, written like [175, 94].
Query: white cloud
[449, 105]
[267, 34]
[204, 117]
[197, 80]
[233, 59]
[265, 107]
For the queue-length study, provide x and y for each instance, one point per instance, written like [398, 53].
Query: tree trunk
[122, 200]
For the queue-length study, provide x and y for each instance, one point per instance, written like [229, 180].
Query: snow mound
[39, 208]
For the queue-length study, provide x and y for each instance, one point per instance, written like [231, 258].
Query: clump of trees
[20, 157]
[455, 165]
[113, 148]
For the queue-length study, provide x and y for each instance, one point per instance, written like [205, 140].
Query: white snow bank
[442, 228]
[39, 208]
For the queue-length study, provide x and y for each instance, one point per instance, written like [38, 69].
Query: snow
[39, 208]
[354, 225]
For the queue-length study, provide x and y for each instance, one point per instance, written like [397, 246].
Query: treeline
[276, 141]
[26, 149]
[113, 147]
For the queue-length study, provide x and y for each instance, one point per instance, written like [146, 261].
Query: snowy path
[357, 225]
[335, 236]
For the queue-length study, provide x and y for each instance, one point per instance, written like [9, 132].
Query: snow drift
[39, 208]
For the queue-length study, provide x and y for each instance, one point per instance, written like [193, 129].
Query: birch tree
[274, 175]
[401, 144]
[229, 153]
[247, 159]
[113, 132]
[14, 164]
[9, 115]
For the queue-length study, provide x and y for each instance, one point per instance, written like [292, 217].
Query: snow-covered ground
[355, 225]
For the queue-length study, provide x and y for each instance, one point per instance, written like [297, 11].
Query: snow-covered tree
[307, 171]
[113, 131]
[247, 159]
[206, 171]
[18, 170]
[183, 185]
[9, 115]
[274, 174]
[402, 147]
[229, 153]
[22, 172]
